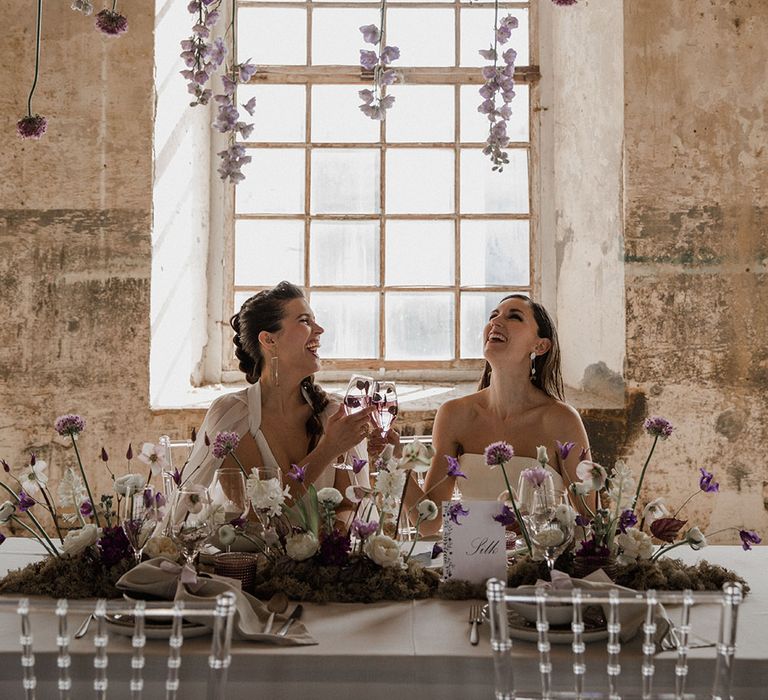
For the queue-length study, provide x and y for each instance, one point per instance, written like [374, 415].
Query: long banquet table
[374, 651]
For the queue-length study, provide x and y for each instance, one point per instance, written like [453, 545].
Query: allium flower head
[658, 427]
[111, 23]
[224, 443]
[748, 538]
[705, 482]
[31, 127]
[86, 509]
[498, 453]
[69, 424]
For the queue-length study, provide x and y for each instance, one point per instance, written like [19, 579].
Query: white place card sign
[474, 545]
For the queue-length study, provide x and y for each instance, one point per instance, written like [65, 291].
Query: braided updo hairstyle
[264, 311]
[548, 377]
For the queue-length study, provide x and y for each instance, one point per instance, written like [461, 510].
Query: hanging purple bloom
[31, 127]
[70, 424]
[368, 59]
[25, 502]
[564, 449]
[297, 473]
[111, 23]
[176, 476]
[658, 427]
[748, 538]
[626, 520]
[705, 482]
[246, 71]
[358, 464]
[224, 443]
[86, 509]
[454, 468]
[498, 453]
[389, 54]
[456, 510]
[371, 34]
[506, 517]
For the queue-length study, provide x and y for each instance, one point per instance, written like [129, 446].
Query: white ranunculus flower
[382, 550]
[390, 484]
[301, 546]
[654, 510]
[416, 456]
[695, 538]
[622, 491]
[72, 491]
[635, 546]
[267, 494]
[565, 515]
[34, 477]
[6, 511]
[161, 546]
[129, 484]
[77, 540]
[427, 510]
[329, 497]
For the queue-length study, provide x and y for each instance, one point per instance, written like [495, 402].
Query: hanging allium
[499, 83]
[111, 22]
[202, 56]
[33, 126]
[375, 102]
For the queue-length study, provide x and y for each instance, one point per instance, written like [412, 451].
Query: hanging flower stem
[642, 473]
[85, 481]
[37, 56]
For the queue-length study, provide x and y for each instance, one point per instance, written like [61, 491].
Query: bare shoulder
[459, 409]
[562, 416]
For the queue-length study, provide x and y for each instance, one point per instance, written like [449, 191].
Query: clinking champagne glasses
[358, 394]
[384, 401]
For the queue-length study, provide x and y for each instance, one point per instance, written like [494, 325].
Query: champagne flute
[228, 494]
[139, 514]
[358, 394]
[190, 524]
[384, 401]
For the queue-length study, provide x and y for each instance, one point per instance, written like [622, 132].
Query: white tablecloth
[373, 651]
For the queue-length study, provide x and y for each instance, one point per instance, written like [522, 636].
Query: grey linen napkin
[149, 578]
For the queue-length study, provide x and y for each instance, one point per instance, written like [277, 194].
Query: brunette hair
[548, 377]
[264, 311]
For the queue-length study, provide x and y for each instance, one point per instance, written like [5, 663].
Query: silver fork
[475, 619]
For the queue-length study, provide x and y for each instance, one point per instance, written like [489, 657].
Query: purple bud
[104, 455]
[129, 453]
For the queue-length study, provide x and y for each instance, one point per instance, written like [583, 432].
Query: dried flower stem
[54, 515]
[85, 480]
[642, 473]
[50, 547]
[37, 56]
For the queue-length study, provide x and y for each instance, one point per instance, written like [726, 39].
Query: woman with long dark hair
[519, 400]
[283, 418]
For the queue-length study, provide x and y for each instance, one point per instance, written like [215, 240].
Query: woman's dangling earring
[273, 371]
[533, 366]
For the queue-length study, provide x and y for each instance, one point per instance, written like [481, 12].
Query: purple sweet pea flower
[506, 517]
[564, 449]
[705, 482]
[626, 520]
[358, 464]
[297, 473]
[748, 538]
[86, 509]
[437, 550]
[456, 510]
[363, 529]
[454, 468]
[497, 453]
[224, 443]
[658, 427]
[25, 502]
[70, 424]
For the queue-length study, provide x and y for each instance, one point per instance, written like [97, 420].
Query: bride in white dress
[519, 400]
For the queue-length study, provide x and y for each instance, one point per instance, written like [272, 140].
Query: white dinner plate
[525, 631]
[123, 625]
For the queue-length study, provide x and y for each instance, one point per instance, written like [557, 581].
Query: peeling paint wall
[696, 247]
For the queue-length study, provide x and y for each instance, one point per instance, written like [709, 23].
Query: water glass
[139, 516]
[190, 521]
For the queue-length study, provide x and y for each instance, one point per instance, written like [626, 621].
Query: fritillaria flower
[705, 482]
[111, 23]
[748, 538]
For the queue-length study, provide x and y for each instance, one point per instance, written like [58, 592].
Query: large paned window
[399, 230]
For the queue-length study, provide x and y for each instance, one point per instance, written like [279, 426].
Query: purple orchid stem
[37, 56]
[642, 473]
[523, 529]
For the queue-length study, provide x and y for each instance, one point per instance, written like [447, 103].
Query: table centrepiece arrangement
[303, 552]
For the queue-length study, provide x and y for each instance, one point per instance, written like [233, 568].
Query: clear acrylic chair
[44, 618]
[648, 677]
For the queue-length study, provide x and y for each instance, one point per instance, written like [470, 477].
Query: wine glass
[384, 401]
[266, 492]
[228, 494]
[139, 514]
[190, 522]
[358, 394]
[551, 527]
[526, 493]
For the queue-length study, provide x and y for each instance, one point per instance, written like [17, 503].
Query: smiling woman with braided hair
[283, 417]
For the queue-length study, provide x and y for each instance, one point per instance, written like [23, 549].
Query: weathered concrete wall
[697, 246]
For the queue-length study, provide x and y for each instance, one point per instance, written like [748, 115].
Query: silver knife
[295, 615]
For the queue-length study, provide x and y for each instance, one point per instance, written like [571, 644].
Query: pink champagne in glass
[384, 401]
